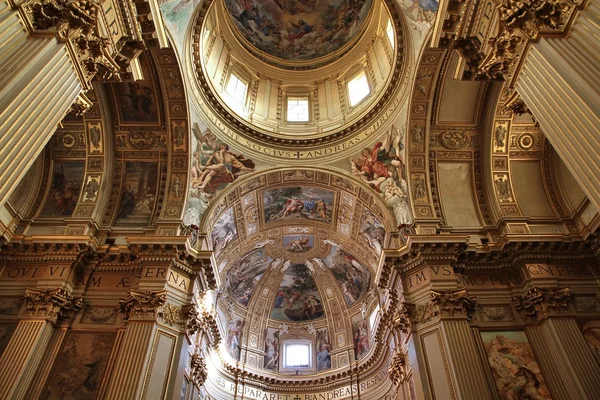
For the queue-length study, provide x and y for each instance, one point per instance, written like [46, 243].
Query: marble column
[566, 361]
[33, 335]
[38, 85]
[560, 83]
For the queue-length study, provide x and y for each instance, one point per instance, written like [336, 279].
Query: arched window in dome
[298, 109]
[389, 30]
[237, 88]
[358, 88]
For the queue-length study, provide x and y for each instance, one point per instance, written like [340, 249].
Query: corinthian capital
[454, 302]
[142, 305]
[55, 305]
[538, 303]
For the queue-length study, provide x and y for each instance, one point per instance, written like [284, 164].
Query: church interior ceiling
[290, 229]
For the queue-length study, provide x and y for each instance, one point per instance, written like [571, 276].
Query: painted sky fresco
[297, 298]
[299, 30]
[243, 276]
[298, 203]
[354, 278]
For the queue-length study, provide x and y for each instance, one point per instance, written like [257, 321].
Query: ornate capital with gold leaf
[397, 369]
[198, 372]
[537, 303]
[142, 306]
[77, 24]
[54, 305]
[454, 303]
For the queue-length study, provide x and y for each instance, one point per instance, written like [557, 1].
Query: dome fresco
[299, 30]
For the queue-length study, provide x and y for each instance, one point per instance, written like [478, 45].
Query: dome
[299, 30]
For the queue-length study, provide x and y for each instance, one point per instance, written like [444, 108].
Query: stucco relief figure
[500, 136]
[383, 168]
[419, 190]
[503, 188]
[91, 189]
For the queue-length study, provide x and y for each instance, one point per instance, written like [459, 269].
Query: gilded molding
[54, 305]
[538, 303]
[397, 368]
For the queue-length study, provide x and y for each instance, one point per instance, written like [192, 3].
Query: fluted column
[140, 310]
[27, 346]
[560, 83]
[38, 84]
[569, 366]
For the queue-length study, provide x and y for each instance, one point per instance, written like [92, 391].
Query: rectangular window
[297, 356]
[390, 32]
[237, 88]
[297, 109]
[358, 89]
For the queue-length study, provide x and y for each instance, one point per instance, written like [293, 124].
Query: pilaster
[562, 351]
[441, 336]
[44, 309]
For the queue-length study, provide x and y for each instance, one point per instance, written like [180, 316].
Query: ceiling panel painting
[243, 276]
[296, 202]
[298, 298]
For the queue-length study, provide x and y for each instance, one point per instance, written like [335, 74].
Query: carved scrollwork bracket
[397, 368]
[57, 305]
[198, 371]
[142, 306]
[537, 303]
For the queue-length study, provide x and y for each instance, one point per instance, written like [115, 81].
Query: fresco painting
[272, 349]
[298, 203]
[67, 178]
[137, 99]
[354, 278]
[177, 14]
[243, 276]
[383, 168]
[514, 366]
[298, 243]
[360, 333]
[213, 167]
[323, 349]
[234, 337]
[297, 298]
[79, 367]
[372, 231]
[139, 193]
[224, 231]
[299, 30]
